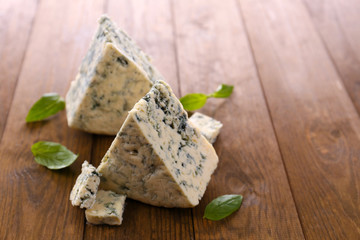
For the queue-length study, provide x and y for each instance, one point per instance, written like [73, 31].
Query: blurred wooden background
[291, 137]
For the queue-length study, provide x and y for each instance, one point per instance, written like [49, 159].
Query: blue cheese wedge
[157, 157]
[113, 76]
[84, 191]
[108, 208]
[209, 127]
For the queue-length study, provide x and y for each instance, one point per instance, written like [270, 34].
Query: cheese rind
[157, 157]
[108, 208]
[209, 127]
[113, 76]
[84, 191]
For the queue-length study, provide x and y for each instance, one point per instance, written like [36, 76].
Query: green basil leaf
[223, 91]
[222, 206]
[52, 155]
[48, 105]
[193, 101]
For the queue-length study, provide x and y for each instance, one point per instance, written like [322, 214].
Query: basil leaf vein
[48, 105]
[223, 206]
[52, 155]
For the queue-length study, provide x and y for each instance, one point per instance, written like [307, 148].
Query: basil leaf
[52, 155]
[223, 91]
[222, 206]
[193, 101]
[49, 104]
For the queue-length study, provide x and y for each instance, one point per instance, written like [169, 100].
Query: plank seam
[174, 32]
[240, 11]
[328, 53]
[173, 23]
[21, 66]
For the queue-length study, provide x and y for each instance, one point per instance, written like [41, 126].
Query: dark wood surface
[16, 17]
[291, 137]
[320, 144]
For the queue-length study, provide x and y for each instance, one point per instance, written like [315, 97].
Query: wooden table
[291, 137]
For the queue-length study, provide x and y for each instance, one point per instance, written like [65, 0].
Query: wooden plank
[16, 18]
[35, 200]
[316, 124]
[150, 25]
[337, 22]
[213, 49]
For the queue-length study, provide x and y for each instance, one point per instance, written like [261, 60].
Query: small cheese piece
[84, 191]
[113, 76]
[108, 208]
[209, 127]
[157, 157]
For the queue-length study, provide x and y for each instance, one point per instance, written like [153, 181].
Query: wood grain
[316, 124]
[338, 24]
[149, 23]
[35, 200]
[213, 49]
[291, 137]
[16, 18]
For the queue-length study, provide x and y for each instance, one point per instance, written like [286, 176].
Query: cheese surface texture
[113, 76]
[157, 157]
[84, 191]
[108, 208]
[209, 127]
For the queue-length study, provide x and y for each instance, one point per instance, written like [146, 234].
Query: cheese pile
[158, 156]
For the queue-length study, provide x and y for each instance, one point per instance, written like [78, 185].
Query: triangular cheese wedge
[158, 157]
[113, 76]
